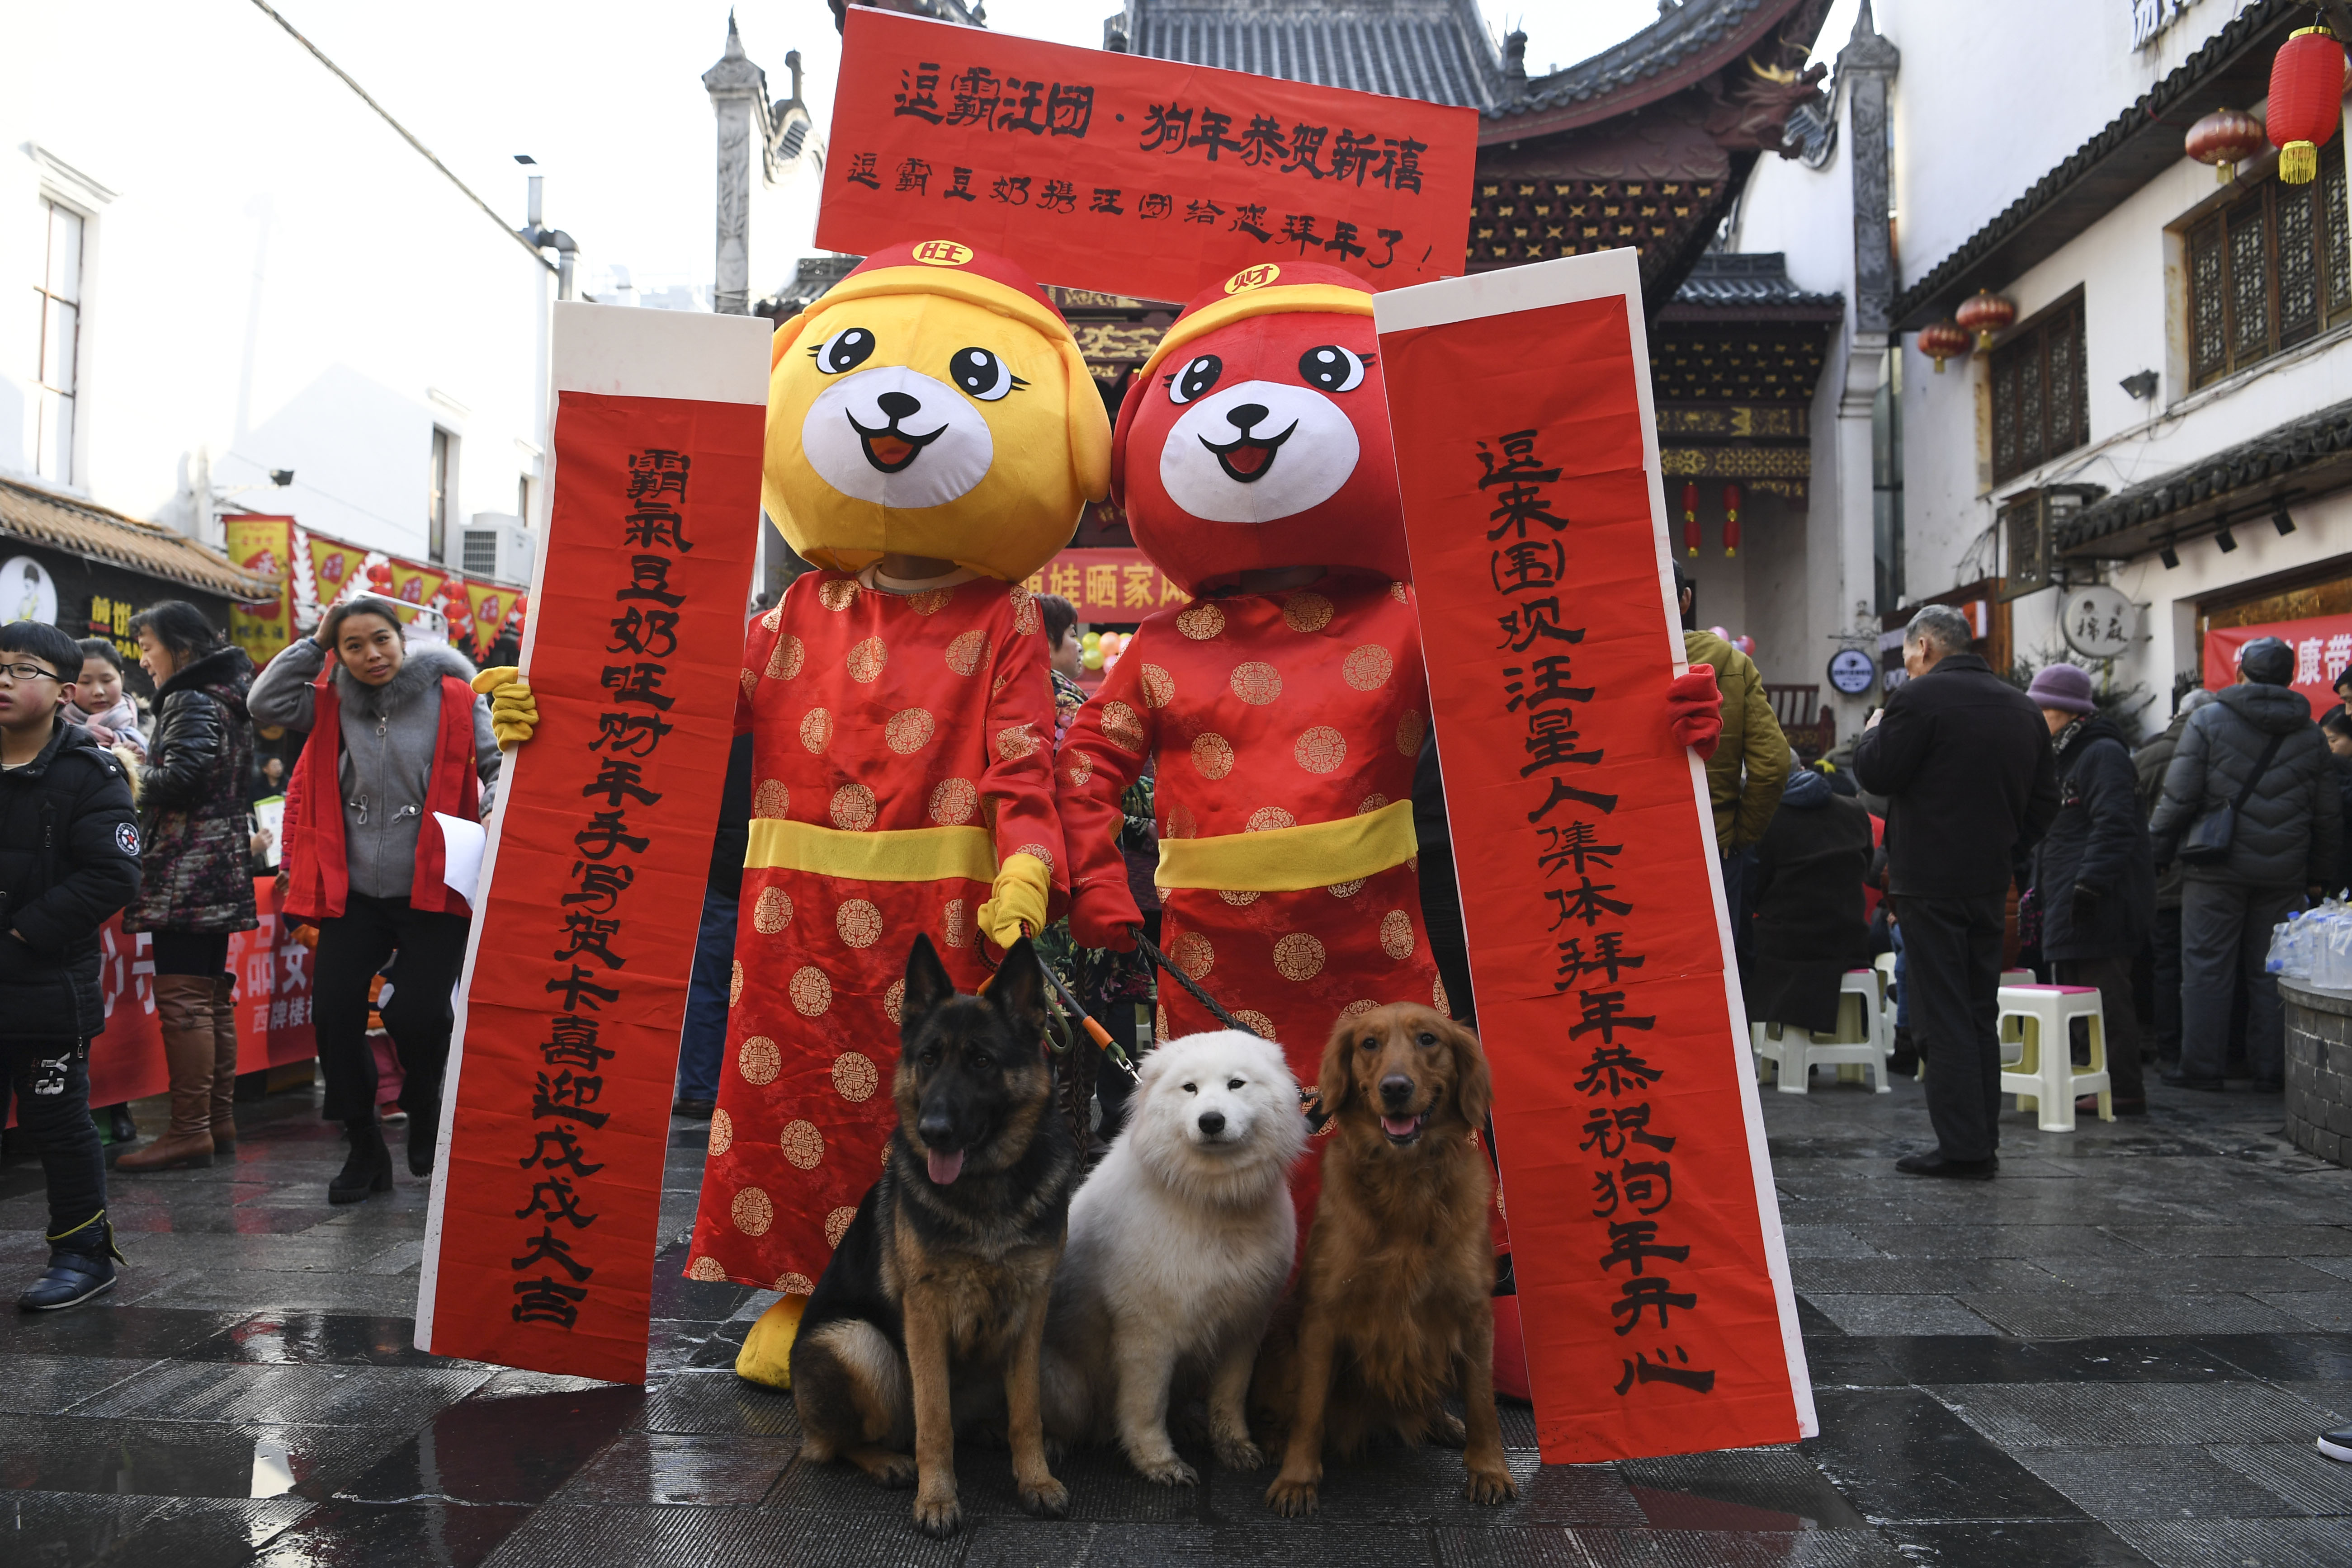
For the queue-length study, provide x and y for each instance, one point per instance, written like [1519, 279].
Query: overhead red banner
[1654, 1284]
[547, 1197]
[2323, 650]
[1119, 172]
[1107, 585]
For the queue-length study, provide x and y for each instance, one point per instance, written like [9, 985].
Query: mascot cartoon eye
[983, 374]
[1197, 377]
[845, 351]
[1332, 368]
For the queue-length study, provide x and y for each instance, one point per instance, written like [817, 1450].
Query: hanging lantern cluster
[1731, 499]
[1984, 313]
[2306, 101]
[2225, 138]
[1694, 534]
[1690, 517]
[1943, 340]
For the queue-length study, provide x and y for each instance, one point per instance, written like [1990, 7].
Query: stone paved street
[2117, 1353]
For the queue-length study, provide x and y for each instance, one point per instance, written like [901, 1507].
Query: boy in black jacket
[68, 858]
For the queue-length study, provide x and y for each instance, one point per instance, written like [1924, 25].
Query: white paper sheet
[270, 815]
[462, 839]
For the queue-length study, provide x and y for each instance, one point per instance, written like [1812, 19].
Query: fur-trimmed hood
[424, 665]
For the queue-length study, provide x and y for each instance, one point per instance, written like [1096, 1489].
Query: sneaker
[2337, 1445]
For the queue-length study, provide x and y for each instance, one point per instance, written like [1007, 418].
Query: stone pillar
[1865, 68]
[738, 91]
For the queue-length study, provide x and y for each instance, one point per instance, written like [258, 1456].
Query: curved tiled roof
[79, 527]
[1731, 279]
[2215, 485]
[1436, 50]
[1678, 37]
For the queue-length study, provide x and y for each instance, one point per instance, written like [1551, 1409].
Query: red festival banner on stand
[1653, 1282]
[1143, 176]
[546, 1208]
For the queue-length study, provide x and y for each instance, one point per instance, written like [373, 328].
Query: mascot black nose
[1243, 415]
[897, 405]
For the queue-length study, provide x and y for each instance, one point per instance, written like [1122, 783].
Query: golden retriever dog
[1392, 1308]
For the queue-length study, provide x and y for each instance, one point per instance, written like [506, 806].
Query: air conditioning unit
[497, 546]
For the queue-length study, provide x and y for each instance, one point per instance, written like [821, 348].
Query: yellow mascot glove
[514, 711]
[766, 1357]
[1020, 888]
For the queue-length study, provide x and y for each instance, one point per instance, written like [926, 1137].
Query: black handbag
[2207, 841]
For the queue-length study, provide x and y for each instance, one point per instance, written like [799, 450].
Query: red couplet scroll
[540, 1246]
[1121, 171]
[1653, 1282]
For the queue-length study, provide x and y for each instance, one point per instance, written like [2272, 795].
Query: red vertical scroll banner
[1653, 1284]
[547, 1197]
[1121, 171]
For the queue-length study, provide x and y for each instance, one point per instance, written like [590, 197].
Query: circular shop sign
[2097, 621]
[27, 591]
[1851, 671]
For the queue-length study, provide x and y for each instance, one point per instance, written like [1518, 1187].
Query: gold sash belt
[903, 854]
[1285, 860]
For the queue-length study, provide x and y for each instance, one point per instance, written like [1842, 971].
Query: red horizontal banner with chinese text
[1107, 585]
[1143, 176]
[547, 1198]
[2323, 650]
[1653, 1287]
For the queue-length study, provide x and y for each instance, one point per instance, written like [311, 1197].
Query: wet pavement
[2117, 1353]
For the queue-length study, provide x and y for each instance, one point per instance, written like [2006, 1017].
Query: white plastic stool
[2012, 1030]
[1860, 1040]
[1884, 965]
[2045, 1077]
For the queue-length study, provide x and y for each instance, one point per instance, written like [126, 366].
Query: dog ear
[928, 985]
[1018, 992]
[1474, 1084]
[1336, 1078]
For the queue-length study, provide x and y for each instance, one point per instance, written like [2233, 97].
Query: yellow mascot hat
[933, 403]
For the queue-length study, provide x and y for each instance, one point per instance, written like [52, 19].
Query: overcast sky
[607, 94]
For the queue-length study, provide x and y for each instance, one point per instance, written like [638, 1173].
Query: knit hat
[2066, 687]
[2266, 661]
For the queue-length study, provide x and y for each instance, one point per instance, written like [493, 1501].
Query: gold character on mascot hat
[932, 437]
[933, 403]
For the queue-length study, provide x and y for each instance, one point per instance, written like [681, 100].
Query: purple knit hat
[2066, 687]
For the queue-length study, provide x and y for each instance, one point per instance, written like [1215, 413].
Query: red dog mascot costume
[932, 435]
[1286, 706]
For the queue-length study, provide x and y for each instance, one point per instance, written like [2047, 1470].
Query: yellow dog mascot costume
[932, 437]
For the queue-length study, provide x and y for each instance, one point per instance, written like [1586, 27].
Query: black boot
[369, 1169]
[81, 1265]
[423, 1134]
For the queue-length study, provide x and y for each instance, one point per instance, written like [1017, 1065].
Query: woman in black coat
[2094, 872]
[1808, 927]
[197, 884]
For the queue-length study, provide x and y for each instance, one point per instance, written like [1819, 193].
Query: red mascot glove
[1102, 915]
[1695, 709]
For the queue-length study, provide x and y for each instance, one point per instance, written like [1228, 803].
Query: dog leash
[1310, 1101]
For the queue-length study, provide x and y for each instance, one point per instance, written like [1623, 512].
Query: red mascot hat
[1257, 435]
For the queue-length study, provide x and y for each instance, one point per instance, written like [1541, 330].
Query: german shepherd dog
[935, 1300]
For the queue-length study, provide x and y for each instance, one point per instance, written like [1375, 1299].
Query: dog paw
[1167, 1471]
[1490, 1486]
[1445, 1429]
[1240, 1454]
[938, 1517]
[1048, 1499]
[895, 1471]
[1291, 1499]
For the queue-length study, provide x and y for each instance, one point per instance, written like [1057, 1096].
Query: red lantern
[2225, 137]
[1985, 313]
[2306, 101]
[1690, 517]
[1943, 340]
[1731, 499]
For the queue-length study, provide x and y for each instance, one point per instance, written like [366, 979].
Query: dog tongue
[1394, 1126]
[945, 1168]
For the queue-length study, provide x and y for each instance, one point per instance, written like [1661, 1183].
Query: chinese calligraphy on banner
[2323, 650]
[547, 1198]
[1654, 1284]
[264, 547]
[1107, 585]
[1121, 171]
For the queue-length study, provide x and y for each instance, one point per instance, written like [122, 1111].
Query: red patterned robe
[869, 712]
[1266, 711]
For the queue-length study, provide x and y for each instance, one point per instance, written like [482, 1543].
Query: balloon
[1091, 640]
[1110, 663]
[1720, 633]
[1091, 659]
[1746, 645]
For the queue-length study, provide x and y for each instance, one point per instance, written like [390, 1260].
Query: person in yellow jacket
[1751, 764]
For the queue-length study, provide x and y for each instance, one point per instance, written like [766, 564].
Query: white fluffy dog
[1180, 1243]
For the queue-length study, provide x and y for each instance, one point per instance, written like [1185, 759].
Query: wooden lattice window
[2040, 405]
[2268, 271]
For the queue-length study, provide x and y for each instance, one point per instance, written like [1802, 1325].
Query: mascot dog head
[932, 404]
[1257, 435]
